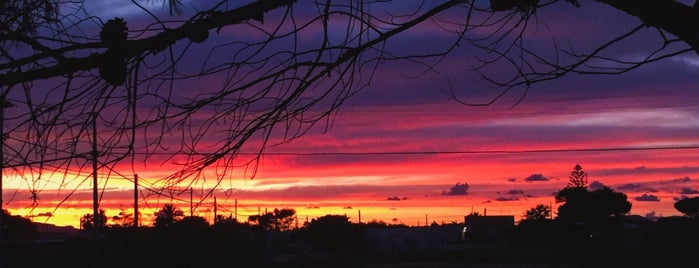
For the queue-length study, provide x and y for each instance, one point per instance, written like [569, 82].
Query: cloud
[643, 170]
[44, 214]
[689, 61]
[651, 215]
[682, 180]
[536, 177]
[458, 189]
[647, 198]
[596, 185]
[512, 179]
[629, 186]
[396, 198]
[507, 199]
[515, 192]
[687, 190]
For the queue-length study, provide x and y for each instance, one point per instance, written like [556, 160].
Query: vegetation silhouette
[192, 241]
[66, 71]
[119, 75]
[168, 216]
[90, 222]
[278, 220]
[688, 206]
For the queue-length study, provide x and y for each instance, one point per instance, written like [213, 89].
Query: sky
[403, 150]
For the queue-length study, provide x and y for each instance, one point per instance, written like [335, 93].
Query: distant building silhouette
[487, 229]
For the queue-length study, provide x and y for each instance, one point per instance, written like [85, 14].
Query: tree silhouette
[192, 223]
[279, 220]
[123, 219]
[537, 229]
[538, 213]
[688, 206]
[167, 216]
[578, 177]
[598, 212]
[335, 232]
[87, 222]
[611, 203]
[66, 70]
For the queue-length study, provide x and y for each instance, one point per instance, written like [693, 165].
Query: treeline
[590, 226]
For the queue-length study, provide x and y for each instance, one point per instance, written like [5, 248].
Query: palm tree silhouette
[167, 216]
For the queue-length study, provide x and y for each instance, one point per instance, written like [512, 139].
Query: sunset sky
[399, 150]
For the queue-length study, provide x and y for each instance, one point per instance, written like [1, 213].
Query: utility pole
[215, 210]
[95, 205]
[135, 200]
[191, 207]
[236, 210]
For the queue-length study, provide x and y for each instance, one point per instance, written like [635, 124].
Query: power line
[523, 151]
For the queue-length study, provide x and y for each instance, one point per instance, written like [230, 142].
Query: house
[401, 239]
[486, 230]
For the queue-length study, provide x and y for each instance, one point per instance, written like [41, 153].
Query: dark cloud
[652, 190]
[682, 180]
[395, 198]
[536, 177]
[515, 192]
[647, 198]
[507, 199]
[458, 189]
[687, 190]
[629, 186]
[636, 187]
[512, 179]
[596, 185]
[651, 215]
[650, 171]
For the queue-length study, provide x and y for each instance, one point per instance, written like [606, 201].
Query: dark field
[652, 246]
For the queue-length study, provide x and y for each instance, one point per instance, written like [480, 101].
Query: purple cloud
[515, 192]
[507, 199]
[629, 186]
[647, 198]
[681, 180]
[596, 185]
[458, 189]
[536, 177]
[687, 190]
